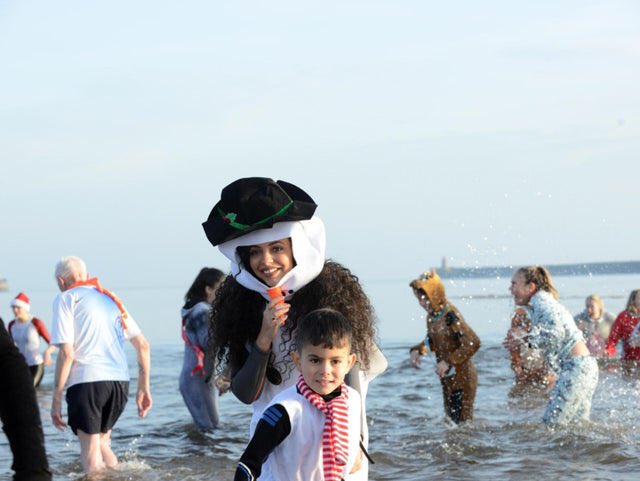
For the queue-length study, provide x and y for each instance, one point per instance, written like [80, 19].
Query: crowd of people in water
[293, 335]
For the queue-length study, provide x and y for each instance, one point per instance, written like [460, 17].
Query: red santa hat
[21, 300]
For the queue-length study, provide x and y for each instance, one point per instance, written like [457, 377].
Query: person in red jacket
[623, 327]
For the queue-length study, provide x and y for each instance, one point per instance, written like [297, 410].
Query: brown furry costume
[452, 341]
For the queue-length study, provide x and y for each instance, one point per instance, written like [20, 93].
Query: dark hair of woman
[208, 276]
[237, 317]
[631, 308]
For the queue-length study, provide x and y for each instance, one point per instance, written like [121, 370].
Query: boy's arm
[274, 426]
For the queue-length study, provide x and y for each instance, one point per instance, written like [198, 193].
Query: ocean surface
[410, 438]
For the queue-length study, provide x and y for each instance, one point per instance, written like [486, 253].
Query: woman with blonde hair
[595, 323]
[555, 333]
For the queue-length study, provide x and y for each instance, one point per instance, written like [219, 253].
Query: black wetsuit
[20, 414]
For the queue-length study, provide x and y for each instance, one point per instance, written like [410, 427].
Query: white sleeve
[132, 330]
[62, 326]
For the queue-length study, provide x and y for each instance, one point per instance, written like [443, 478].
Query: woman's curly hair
[236, 318]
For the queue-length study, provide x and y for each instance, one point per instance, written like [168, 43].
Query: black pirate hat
[255, 203]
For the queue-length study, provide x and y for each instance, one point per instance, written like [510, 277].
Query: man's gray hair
[71, 265]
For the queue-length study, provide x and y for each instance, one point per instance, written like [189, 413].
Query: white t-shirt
[90, 321]
[26, 337]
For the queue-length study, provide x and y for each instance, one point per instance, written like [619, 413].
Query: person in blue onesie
[201, 398]
[555, 333]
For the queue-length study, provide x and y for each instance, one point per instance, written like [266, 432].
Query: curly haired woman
[276, 246]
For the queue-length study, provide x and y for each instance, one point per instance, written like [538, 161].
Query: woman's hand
[274, 315]
[514, 338]
[415, 358]
[442, 368]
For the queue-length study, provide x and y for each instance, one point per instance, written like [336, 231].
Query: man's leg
[108, 456]
[90, 451]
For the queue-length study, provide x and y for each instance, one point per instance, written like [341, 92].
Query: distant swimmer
[595, 323]
[26, 331]
[555, 333]
[453, 342]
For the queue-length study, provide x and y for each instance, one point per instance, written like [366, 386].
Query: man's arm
[143, 396]
[63, 367]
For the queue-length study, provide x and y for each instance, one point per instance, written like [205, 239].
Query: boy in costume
[311, 431]
[453, 343]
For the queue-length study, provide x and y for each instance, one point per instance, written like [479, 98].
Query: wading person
[555, 333]
[453, 342]
[90, 326]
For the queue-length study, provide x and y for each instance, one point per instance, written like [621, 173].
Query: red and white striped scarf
[335, 434]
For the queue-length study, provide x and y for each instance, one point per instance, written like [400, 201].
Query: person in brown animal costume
[453, 342]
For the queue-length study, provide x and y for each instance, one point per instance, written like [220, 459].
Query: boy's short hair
[323, 327]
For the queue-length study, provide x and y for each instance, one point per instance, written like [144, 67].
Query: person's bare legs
[90, 452]
[108, 456]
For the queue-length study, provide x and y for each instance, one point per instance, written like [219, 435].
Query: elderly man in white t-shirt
[90, 325]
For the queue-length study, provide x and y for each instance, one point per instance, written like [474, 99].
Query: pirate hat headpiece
[256, 210]
[253, 203]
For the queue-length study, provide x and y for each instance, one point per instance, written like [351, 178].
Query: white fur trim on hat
[308, 242]
[22, 301]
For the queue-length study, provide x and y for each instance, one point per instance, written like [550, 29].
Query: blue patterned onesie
[554, 331]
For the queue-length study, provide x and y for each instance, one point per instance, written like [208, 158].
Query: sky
[493, 133]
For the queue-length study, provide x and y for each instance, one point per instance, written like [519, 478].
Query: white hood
[308, 242]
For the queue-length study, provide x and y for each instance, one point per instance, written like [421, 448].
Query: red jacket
[621, 330]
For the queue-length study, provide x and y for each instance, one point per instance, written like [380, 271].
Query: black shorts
[37, 372]
[94, 407]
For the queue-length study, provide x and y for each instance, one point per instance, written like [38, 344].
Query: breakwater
[582, 269]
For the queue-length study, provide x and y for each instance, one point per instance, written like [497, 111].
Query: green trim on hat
[230, 218]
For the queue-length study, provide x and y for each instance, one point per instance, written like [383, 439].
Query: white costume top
[90, 321]
[26, 337]
[299, 456]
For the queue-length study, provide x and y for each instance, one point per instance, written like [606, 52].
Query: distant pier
[586, 269]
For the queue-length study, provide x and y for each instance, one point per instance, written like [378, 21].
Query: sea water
[410, 438]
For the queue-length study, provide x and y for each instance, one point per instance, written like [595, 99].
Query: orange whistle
[275, 292]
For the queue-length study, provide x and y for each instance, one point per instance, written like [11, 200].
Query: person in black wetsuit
[20, 414]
